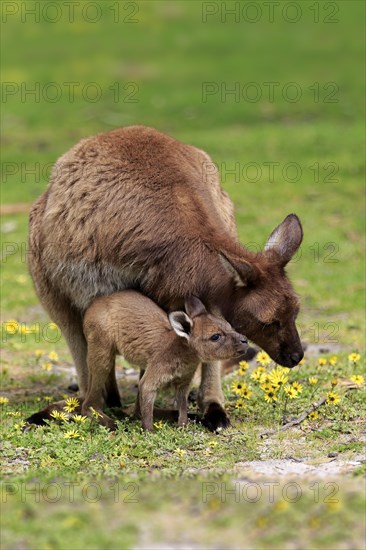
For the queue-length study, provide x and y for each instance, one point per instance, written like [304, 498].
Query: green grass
[163, 62]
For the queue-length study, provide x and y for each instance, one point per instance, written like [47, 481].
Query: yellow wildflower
[266, 387]
[48, 398]
[71, 404]
[333, 398]
[47, 366]
[297, 386]
[333, 360]
[322, 361]
[314, 415]
[312, 380]
[354, 357]
[246, 392]
[270, 396]
[53, 356]
[213, 443]
[240, 404]
[159, 424]
[180, 452]
[277, 377]
[358, 379]
[3, 400]
[334, 382]
[72, 434]
[281, 506]
[79, 418]
[243, 367]
[11, 327]
[19, 427]
[38, 353]
[237, 387]
[95, 413]
[263, 358]
[257, 374]
[291, 392]
[57, 415]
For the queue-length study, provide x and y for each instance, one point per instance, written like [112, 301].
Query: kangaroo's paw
[215, 418]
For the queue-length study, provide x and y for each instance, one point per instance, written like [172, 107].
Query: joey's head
[210, 336]
[263, 304]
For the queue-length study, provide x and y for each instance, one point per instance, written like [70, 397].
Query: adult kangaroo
[135, 208]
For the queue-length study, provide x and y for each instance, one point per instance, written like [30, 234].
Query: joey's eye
[215, 337]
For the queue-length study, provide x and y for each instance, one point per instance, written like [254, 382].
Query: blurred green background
[203, 72]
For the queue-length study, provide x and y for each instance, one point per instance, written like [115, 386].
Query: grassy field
[279, 105]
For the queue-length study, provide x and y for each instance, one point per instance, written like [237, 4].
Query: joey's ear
[243, 272]
[181, 324]
[194, 306]
[285, 240]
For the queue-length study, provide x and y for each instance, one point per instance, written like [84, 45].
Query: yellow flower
[302, 362]
[48, 398]
[291, 392]
[358, 379]
[240, 404]
[333, 360]
[246, 392]
[180, 452]
[95, 413]
[263, 358]
[333, 398]
[213, 443]
[281, 506]
[243, 367]
[237, 387]
[297, 386]
[57, 415]
[314, 415]
[312, 380]
[159, 424]
[270, 396]
[47, 366]
[322, 361]
[79, 418]
[71, 404]
[277, 377]
[11, 327]
[334, 382]
[354, 357]
[53, 356]
[38, 353]
[3, 400]
[257, 374]
[266, 387]
[71, 434]
[19, 427]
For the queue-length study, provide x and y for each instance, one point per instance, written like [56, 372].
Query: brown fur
[167, 349]
[135, 208]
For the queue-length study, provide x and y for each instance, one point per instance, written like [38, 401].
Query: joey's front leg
[211, 398]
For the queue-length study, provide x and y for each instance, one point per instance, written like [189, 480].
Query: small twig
[304, 415]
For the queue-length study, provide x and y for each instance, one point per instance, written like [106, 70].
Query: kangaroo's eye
[215, 337]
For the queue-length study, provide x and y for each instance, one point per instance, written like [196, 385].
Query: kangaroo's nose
[296, 357]
[243, 340]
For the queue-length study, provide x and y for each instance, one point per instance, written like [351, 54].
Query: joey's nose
[296, 357]
[243, 340]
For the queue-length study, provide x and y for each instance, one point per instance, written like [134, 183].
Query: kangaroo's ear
[194, 306]
[181, 324]
[285, 240]
[243, 272]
